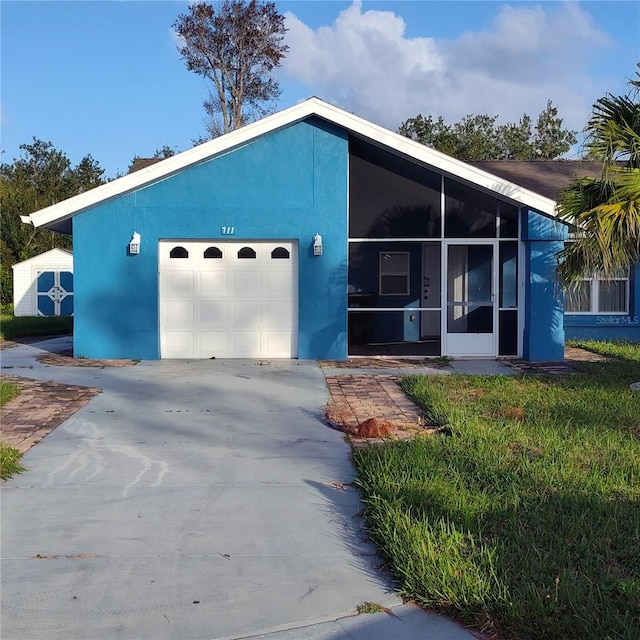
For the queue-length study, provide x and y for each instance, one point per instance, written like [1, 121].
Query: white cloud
[365, 63]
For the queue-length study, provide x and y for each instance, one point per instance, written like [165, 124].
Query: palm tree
[605, 212]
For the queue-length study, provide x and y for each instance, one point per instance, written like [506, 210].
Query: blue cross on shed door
[55, 293]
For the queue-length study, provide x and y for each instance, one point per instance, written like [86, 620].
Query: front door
[469, 316]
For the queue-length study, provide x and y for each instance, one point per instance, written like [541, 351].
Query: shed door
[54, 293]
[228, 299]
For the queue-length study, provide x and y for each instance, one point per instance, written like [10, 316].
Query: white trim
[594, 298]
[56, 214]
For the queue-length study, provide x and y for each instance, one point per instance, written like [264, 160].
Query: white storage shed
[43, 285]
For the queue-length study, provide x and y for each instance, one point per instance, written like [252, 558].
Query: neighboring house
[600, 309]
[313, 234]
[43, 285]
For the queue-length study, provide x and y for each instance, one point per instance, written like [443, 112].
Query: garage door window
[213, 252]
[246, 252]
[280, 253]
[179, 252]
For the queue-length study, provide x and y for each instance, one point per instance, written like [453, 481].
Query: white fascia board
[313, 106]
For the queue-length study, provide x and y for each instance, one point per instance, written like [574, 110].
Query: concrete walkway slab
[480, 367]
[202, 499]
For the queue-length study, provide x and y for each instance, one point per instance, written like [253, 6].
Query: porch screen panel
[392, 333]
[386, 298]
[508, 220]
[508, 274]
[469, 213]
[390, 197]
[508, 334]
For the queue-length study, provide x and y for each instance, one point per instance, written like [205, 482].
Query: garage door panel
[179, 282]
[177, 343]
[246, 315]
[179, 313]
[213, 314]
[278, 284]
[214, 283]
[278, 315]
[246, 343]
[213, 343]
[230, 306]
[246, 284]
[279, 343]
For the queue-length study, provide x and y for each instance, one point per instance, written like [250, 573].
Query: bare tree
[236, 46]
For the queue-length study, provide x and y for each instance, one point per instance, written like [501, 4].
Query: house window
[597, 295]
[394, 273]
[213, 252]
[246, 252]
[179, 252]
[280, 252]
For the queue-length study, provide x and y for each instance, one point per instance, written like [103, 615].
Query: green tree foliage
[480, 137]
[41, 177]
[605, 212]
[235, 46]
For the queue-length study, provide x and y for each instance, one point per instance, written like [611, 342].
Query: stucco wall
[543, 338]
[290, 184]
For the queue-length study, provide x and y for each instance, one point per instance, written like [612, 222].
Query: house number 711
[227, 231]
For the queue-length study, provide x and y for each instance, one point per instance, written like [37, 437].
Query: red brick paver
[39, 409]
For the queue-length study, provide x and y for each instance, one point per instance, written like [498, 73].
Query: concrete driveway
[193, 499]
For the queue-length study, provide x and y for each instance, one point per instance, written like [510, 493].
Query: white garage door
[228, 299]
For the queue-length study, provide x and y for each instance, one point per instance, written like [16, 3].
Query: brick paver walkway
[355, 399]
[361, 397]
[39, 409]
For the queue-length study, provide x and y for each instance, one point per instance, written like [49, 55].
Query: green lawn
[523, 518]
[9, 457]
[15, 327]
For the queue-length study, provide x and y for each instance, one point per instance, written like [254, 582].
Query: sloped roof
[143, 163]
[546, 177]
[58, 216]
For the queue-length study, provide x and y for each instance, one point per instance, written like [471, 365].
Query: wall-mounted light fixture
[134, 244]
[317, 245]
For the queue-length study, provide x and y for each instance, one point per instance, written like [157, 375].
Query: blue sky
[105, 77]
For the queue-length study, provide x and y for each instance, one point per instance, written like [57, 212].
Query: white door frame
[470, 344]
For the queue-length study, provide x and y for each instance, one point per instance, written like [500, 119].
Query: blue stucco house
[313, 233]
